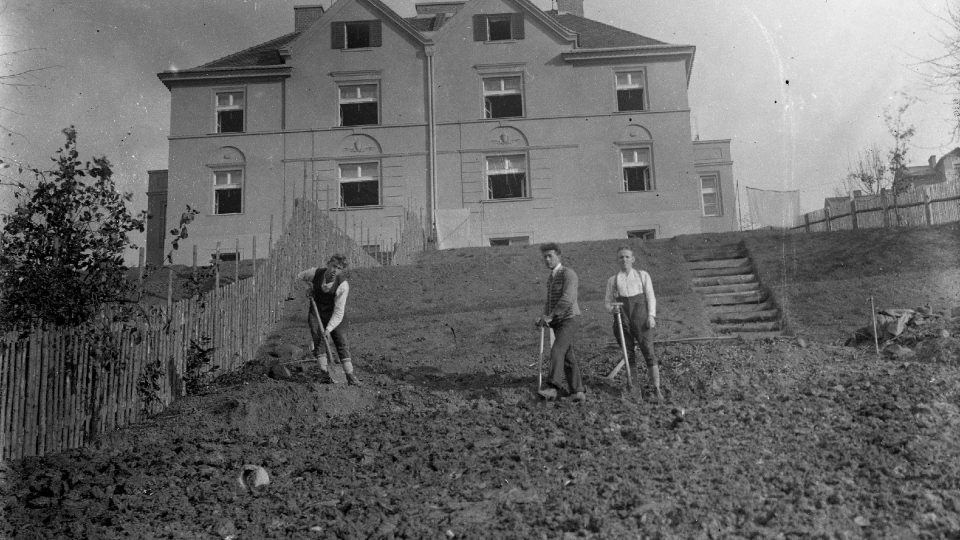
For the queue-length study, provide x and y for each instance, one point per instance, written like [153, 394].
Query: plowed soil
[774, 438]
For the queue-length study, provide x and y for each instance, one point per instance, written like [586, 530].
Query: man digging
[560, 314]
[329, 290]
[630, 292]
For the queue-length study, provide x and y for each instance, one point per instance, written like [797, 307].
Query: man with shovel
[328, 302]
[560, 314]
[629, 296]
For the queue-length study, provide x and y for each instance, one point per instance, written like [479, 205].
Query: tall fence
[62, 387]
[927, 205]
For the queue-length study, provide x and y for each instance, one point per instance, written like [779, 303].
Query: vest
[325, 300]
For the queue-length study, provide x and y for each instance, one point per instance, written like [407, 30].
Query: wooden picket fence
[927, 205]
[63, 387]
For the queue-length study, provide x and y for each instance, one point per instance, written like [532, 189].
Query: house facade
[500, 122]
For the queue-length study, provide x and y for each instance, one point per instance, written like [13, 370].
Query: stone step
[759, 334]
[724, 280]
[719, 263]
[747, 327]
[718, 272]
[754, 297]
[732, 288]
[711, 254]
[760, 315]
[737, 308]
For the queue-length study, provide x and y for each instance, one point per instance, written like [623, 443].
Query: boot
[655, 381]
[325, 377]
[348, 371]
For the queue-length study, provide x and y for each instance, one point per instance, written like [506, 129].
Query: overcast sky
[798, 86]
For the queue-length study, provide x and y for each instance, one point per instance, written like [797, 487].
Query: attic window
[355, 34]
[498, 27]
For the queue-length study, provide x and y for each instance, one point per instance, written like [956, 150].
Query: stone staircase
[737, 303]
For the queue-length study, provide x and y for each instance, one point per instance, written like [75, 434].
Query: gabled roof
[264, 54]
[597, 35]
[591, 35]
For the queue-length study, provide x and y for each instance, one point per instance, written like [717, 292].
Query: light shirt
[555, 269]
[339, 300]
[631, 283]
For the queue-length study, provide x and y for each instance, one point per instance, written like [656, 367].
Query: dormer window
[498, 27]
[355, 34]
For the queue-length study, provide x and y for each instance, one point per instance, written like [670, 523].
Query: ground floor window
[228, 192]
[637, 174]
[511, 241]
[506, 176]
[642, 234]
[710, 195]
[359, 184]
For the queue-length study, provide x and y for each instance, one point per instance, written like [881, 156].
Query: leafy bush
[63, 245]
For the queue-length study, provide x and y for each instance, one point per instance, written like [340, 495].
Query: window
[359, 184]
[500, 27]
[358, 105]
[229, 112]
[636, 169]
[224, 257]
[506, 177]
[355, 34]
[502, 97]
[710, 193]
[228, 192]
[511, 241]
[630, 91]
[642, 234]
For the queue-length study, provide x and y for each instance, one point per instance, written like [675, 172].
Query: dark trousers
[338, 335]
[635, 332]
[563, 361]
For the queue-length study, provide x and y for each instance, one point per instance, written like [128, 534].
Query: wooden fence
[60, 388]
[928, 205]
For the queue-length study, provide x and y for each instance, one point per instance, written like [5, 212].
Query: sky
[799, 87]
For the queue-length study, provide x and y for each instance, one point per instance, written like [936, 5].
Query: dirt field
[771, 438]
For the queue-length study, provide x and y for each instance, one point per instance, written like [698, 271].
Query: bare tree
[943, 72]
[876, 168]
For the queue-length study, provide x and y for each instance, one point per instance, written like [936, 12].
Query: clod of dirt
[279, 371]
[802, 343]
[227, 529]
[899, 352]
[252, 477]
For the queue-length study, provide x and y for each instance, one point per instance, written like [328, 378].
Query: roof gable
[527, 7]
[377, 7]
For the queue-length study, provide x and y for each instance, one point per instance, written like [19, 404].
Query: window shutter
[376, 34]
[337, 35]
[479, 27]
[516, 25]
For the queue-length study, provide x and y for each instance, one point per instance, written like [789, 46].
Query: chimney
[933, 161]
[573, 7]
[305, 16]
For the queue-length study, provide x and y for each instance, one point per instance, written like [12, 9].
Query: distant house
[504, 123]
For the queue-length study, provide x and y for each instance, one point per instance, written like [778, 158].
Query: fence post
[826, 217]
[216, 267]
[141, 269]
[194, 263]
[270, 243]
[853, 214]
[806, 223]
[236, 263]
[883, 204]
[926, 207]
[169, 289]
[896, 206]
